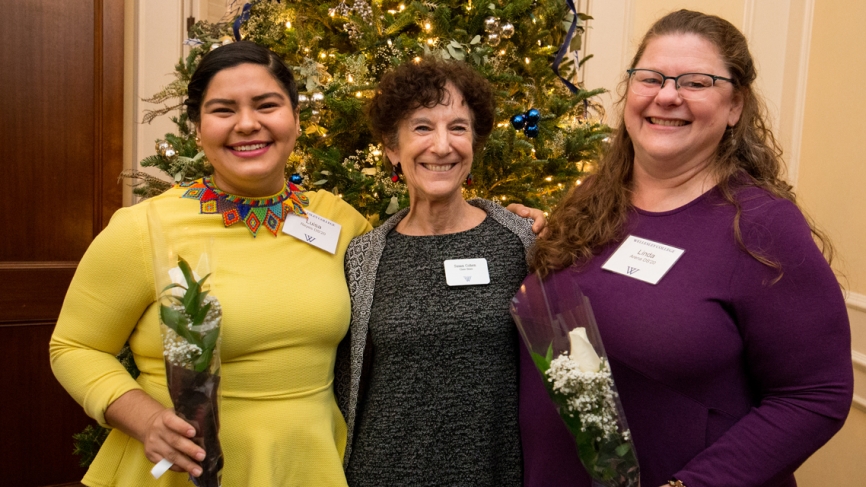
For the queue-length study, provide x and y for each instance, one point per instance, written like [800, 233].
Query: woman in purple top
[736, 365]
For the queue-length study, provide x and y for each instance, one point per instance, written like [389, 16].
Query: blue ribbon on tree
[243, 17]
[564, 48]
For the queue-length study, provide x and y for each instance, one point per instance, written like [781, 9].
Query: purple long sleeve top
[727, 378]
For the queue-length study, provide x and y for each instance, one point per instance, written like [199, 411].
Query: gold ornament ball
[491, 25]
[493, 39]
[507, 30]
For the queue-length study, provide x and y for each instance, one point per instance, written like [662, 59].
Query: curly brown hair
[593, 214]
[413, 85]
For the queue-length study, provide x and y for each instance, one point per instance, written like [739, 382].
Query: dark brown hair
[594, 214]
[229, 56]
[419, 84]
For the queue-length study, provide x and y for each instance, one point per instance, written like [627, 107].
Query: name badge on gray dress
[466, 272]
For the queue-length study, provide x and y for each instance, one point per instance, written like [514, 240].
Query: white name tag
[466, 272]
[316, 230]
[643, 259]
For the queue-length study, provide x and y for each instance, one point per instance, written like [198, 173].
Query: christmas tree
[548, 132]
[548, 135]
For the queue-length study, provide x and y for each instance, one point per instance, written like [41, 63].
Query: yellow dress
[285, 309]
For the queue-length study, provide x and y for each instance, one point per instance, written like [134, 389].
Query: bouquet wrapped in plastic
[190, 318]
[559, 329]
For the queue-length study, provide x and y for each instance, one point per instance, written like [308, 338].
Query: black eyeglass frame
[677, 78]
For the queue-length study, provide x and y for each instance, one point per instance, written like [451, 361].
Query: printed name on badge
[643, 259]
[466, 272]
[315, 230]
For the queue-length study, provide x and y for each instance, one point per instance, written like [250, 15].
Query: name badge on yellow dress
[466, 272]
[643, 259]
[315, 230]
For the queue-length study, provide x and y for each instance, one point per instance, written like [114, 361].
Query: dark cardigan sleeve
[797, 351]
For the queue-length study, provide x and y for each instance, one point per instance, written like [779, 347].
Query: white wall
[155, 33]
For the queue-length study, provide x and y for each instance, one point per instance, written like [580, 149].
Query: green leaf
[201, 363]
[198, 319]
[172, 286]
[178, 322]
[475, 40]
[190, 299]
[623, 449]
[210, 338]
[542, 363]
[187, 271]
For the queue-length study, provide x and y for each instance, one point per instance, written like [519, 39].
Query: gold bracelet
[676, 483]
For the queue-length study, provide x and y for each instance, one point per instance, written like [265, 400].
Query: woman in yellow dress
[285, 305]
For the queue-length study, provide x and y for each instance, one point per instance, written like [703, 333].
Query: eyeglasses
[690, 86]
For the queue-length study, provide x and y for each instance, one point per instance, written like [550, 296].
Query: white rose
[177, 277]
[582, 351]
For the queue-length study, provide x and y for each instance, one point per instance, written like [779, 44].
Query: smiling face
[248, 130]
[667, 131]
[434, 149]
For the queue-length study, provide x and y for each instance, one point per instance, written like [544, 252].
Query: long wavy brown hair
[594, 214]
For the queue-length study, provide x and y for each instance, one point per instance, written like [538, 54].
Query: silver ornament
[315, 116]
[318, 97]
[170, 154]
[507, 30]
[493, 39]
[491, 25]
[303, 101]
[162, 146]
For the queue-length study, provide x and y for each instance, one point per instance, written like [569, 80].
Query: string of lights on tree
[547, 134]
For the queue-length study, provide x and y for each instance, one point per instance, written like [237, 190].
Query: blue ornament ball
[533, 116]
[296, 179]
[531, 131]
[518, 121]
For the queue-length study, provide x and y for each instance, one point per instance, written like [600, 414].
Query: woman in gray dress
[427, 377]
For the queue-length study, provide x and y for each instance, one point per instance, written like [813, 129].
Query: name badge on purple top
[643, 259]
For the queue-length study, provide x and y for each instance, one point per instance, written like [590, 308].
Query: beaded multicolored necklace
[253, 212]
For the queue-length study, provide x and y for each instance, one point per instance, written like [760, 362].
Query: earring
[198, 140]
[469, 180]
[732, 140]
[394, 176]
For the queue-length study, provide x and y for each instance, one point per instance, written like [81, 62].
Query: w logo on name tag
[654, 258]
[466, 272]
[309, 238]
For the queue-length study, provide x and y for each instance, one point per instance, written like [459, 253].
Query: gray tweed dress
[441, 405]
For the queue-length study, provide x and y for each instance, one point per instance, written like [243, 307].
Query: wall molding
[748, 18]
[859, 361]
[800, 96]
[856, 301]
